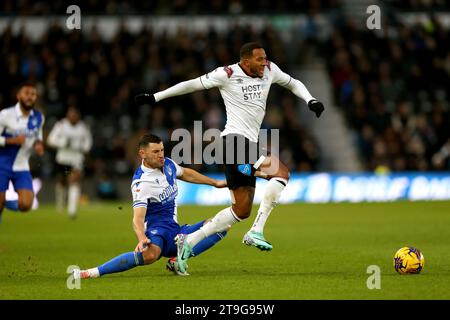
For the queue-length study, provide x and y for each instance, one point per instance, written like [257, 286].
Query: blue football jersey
[14, 123]
[156, 190]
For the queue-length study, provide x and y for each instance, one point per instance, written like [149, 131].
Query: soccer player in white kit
[72, 139]
[20, 134]
[244, 87]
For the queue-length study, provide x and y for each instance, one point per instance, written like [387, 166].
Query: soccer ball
[408, 260]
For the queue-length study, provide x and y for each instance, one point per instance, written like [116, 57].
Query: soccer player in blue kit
[155, 222]
[20, 134]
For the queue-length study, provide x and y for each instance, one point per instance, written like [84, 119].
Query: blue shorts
[163, 236]
[20, 180]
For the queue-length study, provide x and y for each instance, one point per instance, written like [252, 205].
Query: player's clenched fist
[145, 98]
[142, 245]
[316, 107]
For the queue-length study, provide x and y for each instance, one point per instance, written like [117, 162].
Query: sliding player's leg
[121, 263]
[200, 247]
[207, 242]
[242, 198]
[159, 238]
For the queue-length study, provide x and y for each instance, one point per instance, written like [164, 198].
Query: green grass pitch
[321, 251]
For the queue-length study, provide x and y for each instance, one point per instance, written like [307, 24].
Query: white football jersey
[14, 123]
[245, 96]
[72, 142]
[156, 190]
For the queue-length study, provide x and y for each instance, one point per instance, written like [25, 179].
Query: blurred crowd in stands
[160, 7]
[393, 87]
[418, 5]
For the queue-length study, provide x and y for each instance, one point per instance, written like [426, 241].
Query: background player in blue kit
[20, 133]
[155, 221]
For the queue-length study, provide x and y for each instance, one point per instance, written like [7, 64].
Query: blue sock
[207, 243]
[121, 263]
[12, 205]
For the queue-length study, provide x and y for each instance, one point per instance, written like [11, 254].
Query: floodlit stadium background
[384, 135]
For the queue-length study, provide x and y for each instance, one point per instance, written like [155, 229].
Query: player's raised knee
[25, 206]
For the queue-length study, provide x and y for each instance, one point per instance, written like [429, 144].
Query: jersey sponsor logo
[253, 91]
[252, 88]
[168, 193]
[154, 231]
[228, 70]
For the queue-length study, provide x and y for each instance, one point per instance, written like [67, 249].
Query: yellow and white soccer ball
[408, 260]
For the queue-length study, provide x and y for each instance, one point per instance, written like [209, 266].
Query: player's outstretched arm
[297, 88]
[192, 176]
[179, 89]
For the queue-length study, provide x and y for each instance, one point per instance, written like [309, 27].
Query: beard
[26, 106]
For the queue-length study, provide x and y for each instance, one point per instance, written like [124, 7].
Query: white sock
[74, 197]
[220, 222]
[271, 196]
[60, 196]
[93, 273]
